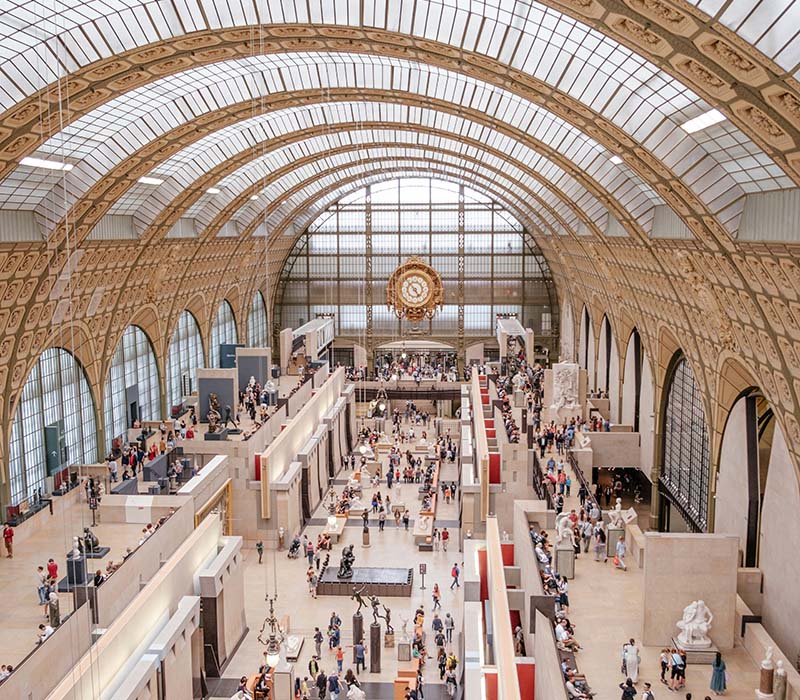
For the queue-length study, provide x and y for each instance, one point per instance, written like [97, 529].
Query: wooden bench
[400, 685]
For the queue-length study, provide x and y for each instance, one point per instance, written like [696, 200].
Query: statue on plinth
[90, 541]
[564, 529]
[404, 626]
[76, 550]
[358, 598]
[695, 625]
[375, 602]
[615, 516]
[213, 414]
[346, 563]
[388, 618]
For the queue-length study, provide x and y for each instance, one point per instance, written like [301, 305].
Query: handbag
[616, 561]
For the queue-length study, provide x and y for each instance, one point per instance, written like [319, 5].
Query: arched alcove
[638, 394]
[132, 388]
[223, 332]
[684, 480]
[586, 349]
[257, 333]
[184, 356]
[54, 424]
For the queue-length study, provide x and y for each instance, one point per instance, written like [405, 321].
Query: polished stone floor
[606, 607]
[19, 608]
[392, 548]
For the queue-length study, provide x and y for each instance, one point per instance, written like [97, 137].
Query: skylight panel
[703, 121]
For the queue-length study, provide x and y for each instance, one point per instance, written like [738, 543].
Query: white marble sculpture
[564, 531]
[694, 626]
[76, 548]
[519, 381]
[779, 682]
[565, 386]
[615, 517]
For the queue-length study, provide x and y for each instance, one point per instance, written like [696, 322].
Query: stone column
[375, 648]
[358, 631]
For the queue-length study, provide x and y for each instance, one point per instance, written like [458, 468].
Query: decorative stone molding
[631, 30]
[765, 127]
[724, 54]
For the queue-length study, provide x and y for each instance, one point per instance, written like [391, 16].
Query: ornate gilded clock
[414, 290]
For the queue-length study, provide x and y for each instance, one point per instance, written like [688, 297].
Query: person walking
[719, 682]
[322, 684]
[381, 519]
[406, 519]
[628, 691]
[360, 654]
[445, 538]
[664, 661]
[647, 694]
[619, 551]
[397, 518]
[455, 572]
[333, 686]
[436, 595]
[630, 660]
[582, 494]
[318, 642]
[310, 553]
[600, 544]
[449, 626]
[260, 550]
[41, 585]
[339, 658]
[8, 540]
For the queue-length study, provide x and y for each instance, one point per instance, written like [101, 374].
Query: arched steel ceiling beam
[769, 117]
[242, 198]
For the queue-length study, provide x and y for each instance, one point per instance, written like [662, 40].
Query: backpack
[454, 572]
[602, 535]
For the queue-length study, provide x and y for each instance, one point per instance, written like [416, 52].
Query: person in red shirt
[8, 538]
[445, 537]
[52, 570]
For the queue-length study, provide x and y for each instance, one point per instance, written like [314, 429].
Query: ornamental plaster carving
[587, 8]
[638, 34]
[731, 59]
[665, 15]
[565, 386]
[705, 79]
[765, 127]
[784, 101]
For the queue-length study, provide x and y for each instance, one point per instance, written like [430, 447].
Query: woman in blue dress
[718, 681]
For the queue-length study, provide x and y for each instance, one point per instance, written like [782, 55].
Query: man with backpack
[455, 573]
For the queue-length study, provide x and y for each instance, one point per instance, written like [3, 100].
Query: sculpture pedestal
[697, 656]
[764, 696]
[365, 538]
[565, 560]
[388, 640]
[612, 537]
[404, 651]
[358, 631]
[375, 648]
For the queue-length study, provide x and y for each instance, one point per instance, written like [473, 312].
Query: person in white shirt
[541, 555]
[44, 632]
[564, 638]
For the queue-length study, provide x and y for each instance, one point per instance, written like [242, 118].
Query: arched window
[185, 355]
[223, 330]
[57, 397]
[132, 391]
[686, 454]
[257, 323]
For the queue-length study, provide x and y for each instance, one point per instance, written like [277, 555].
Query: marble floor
[392, 548]
[606, 607]
[19, 608]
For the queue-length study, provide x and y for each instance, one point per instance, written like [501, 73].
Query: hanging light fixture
[272, 652]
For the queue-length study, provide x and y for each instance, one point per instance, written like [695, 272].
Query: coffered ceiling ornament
[414, 290]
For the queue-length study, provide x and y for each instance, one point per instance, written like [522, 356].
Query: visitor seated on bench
[564, 638]
[576, 689]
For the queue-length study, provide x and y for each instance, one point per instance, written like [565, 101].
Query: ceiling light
[705, 120]
[150, 180]
[213, 190]
[47, 164]
[616, 160]
[255, 196]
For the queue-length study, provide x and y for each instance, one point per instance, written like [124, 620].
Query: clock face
[415, 290]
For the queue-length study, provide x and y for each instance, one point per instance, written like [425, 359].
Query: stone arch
[586, 347]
